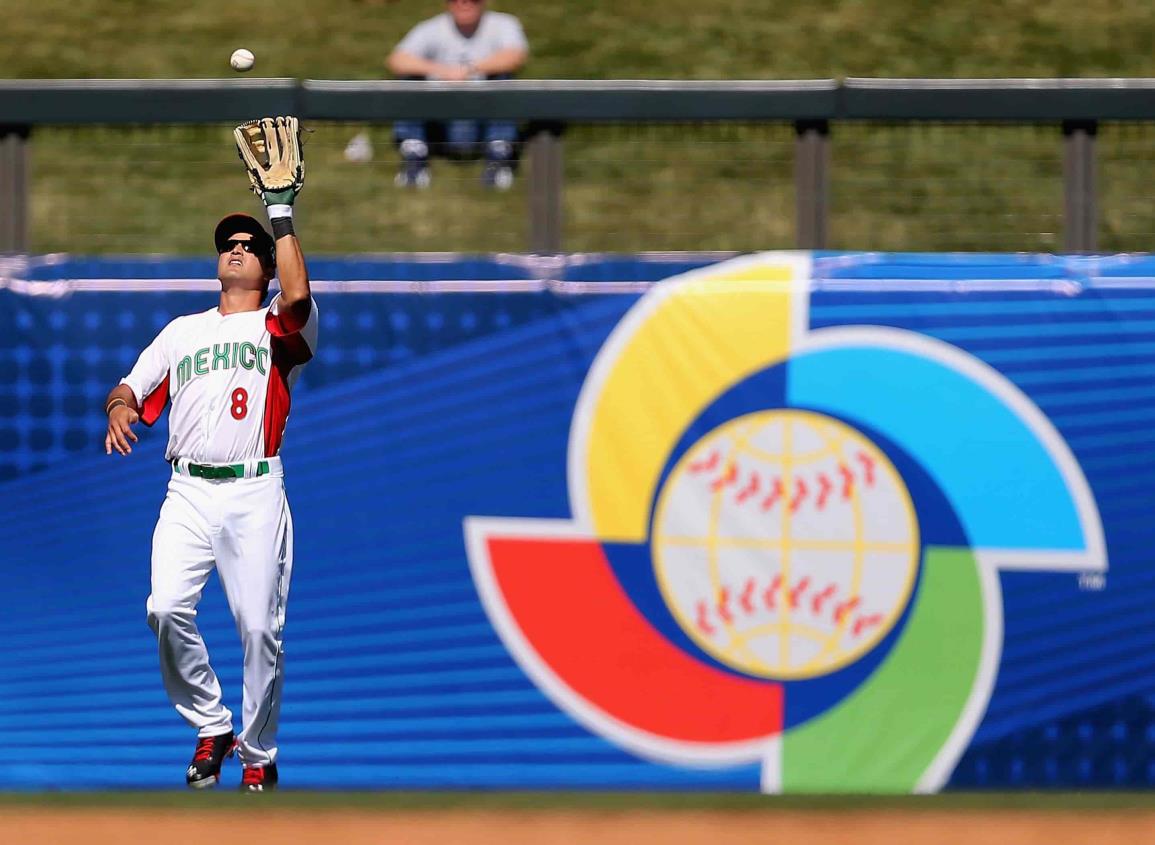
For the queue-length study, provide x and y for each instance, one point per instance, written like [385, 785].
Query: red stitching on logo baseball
[725, 480]
[768, 596]
[775, 494]
[847, 480]
[864, 622]
[746, 600]
[796, 593]
[703, 622]
[724, 606]
[821, 483]
[845, 608]
[706, 465]
[800, 492]
[820, 598]
[824, 487]
[724, 609]
[749, 490]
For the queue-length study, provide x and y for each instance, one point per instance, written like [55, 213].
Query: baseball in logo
[785, 542]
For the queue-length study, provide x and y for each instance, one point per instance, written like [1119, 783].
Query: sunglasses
[247, 246]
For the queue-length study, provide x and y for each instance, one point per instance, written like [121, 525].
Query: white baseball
[242, 59]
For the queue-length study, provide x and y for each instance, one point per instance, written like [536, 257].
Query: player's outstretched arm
[292, 272]
[277, 175]
[123, 413]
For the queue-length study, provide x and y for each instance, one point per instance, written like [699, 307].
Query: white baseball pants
[244, 528]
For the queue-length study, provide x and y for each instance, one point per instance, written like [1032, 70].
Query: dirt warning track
[346, 826]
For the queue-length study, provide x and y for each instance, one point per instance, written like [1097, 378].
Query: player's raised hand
[120, 422]
[270, 149]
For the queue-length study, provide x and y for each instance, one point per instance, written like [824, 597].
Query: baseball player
[228, 373]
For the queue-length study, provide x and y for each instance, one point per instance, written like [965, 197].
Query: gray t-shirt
[439, 40]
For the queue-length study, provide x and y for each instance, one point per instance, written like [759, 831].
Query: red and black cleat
[259, 778]
[205, 769]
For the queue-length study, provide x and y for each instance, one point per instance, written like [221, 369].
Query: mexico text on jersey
[228, 378]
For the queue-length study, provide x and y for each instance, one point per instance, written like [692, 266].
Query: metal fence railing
[1040, 165]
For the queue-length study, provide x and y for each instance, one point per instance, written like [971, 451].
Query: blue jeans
[461, 138]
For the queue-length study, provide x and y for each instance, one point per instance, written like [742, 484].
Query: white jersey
[229, 379]
[439, 40]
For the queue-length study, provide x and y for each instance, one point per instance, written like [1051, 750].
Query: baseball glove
[271, 151]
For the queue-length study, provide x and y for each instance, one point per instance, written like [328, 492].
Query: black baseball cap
[234, 224]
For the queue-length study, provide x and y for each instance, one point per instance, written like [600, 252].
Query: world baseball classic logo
[785, 542]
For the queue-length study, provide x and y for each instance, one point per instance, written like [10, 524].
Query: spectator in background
[466, 42]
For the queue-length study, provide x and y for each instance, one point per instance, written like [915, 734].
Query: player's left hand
[271, 151]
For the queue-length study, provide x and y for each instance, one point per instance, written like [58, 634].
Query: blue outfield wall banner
[790, 522]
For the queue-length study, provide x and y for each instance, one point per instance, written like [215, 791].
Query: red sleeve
[154, 404]
[289, 346]
[290, 321]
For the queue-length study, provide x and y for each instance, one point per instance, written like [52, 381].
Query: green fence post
[544, 151]
[811, 183]
[1080, 211]
[14, 188]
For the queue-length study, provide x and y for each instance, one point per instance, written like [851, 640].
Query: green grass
[1065, 802]
[679, 39]
[627, 188]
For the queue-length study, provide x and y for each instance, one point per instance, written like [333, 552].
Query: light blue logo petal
[1008, 474]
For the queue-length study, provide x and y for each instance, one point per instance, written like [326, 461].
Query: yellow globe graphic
[785, 544]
